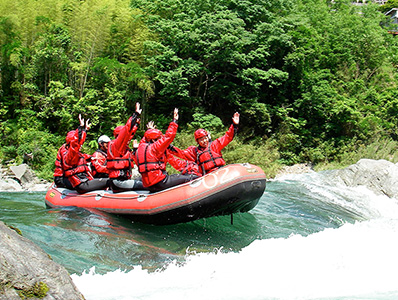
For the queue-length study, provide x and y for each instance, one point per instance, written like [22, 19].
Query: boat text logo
[213, 179]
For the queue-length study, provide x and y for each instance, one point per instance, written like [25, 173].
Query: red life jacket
[98, 164]
[58, 172]
[120, 167]
[77, 174]
[120, 159]
[190, 168]
[151, 157]
[151, 167]
[183, 166]
[209, 160]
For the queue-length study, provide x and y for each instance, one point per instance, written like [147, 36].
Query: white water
[354, 261]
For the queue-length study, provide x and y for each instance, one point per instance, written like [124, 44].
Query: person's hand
[137, 108]
[175, 114]
[235, 118]
[135, 144]
[88, 125]
[151, 125]
[81, 120]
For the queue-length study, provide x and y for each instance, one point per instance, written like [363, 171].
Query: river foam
[355, 261]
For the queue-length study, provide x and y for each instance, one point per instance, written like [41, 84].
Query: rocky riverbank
[380, 176]
[27, 272]
[21, 178]
[295, 169]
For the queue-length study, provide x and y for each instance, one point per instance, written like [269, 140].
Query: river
[308, 238]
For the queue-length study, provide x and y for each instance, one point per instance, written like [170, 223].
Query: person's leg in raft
[67, 183]
[63, 182]
[92, 185]
[59, 181]
[172, 180]
[118, 186]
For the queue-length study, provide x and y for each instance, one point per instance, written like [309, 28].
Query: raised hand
[175, 114]
[137, 108]
[88, 125]
[235, 118]
[135, 144]
[151, 125]
[81, 120]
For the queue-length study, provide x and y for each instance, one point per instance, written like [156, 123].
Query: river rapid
[308, 238]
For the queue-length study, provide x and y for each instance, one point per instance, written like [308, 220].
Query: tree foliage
[308, 77]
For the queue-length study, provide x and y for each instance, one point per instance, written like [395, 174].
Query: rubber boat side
[233, 188]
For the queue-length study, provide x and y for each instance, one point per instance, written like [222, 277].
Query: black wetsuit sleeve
[235, 129]
[134, 120]
[80, 131]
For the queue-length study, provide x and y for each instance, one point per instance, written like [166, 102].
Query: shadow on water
[80, 239]
[204, 234]
[94, 238]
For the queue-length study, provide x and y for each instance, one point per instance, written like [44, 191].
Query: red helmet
[70, 136]
[117, 130]
[200, 133]
[152, 134]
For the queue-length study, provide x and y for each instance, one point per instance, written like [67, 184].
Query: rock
[19, 171]
[380, 176]
[295, 169]
[10, 185]
[25, 269]
[37, 187]
[134, 173]
[21, 178]
[24, 174]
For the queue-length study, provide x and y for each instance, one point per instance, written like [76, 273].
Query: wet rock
[380, 176]
[26, 271]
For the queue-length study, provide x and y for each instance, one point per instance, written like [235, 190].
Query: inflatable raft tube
[231, 189]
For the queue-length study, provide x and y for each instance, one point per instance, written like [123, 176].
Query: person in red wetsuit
[151, 157]
[208, 153]
[59, 178]
[120, 160]
[74, 162]
[98, 158]
[185, 167]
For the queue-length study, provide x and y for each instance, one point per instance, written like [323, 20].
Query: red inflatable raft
[230, 189]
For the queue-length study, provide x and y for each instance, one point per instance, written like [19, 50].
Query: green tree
[211, 57]
[388, 5]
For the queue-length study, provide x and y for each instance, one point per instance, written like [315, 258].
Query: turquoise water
[308, 238]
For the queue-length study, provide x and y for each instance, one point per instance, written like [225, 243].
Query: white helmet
[103, 139]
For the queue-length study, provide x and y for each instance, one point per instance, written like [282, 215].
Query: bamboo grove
[311, 79]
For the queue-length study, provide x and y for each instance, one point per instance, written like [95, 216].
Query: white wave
[355, 260]
[358, 199]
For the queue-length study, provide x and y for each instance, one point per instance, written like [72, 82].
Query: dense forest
[314, 81]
